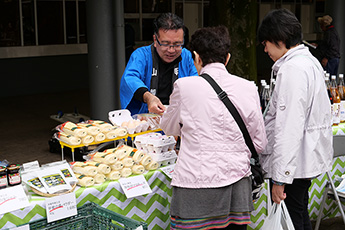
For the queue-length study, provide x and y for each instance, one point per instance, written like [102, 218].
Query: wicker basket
[53, 194]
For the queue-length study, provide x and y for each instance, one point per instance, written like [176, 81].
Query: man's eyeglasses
[167, 46]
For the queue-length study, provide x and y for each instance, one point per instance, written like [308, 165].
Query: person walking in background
[147, 81]
[211, 183]
[298, 122]
[329, 47]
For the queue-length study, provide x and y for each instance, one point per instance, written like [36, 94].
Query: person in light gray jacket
[298, 122]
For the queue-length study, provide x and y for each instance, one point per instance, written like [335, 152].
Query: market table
[152, 208]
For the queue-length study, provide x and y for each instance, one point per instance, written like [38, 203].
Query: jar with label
[13, 174]
[3, 177]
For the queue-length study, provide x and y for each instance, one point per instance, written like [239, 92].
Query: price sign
[60, 207]
[30, 166]
[135, 186]
[13, 198]
[168, 170]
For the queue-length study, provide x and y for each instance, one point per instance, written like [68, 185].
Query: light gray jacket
[298, 122]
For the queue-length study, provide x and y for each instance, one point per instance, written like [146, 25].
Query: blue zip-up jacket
[138, 74]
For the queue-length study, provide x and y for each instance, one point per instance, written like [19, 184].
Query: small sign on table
[13, 198]
[60, 207]
[135, 186]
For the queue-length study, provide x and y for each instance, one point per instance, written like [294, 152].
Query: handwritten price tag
[168, 170]
[60, 207]
[135, 186]
[12, 198]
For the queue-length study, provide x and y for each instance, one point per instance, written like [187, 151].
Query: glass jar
[13, 174]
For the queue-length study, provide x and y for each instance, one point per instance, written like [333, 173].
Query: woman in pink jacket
[211, 183]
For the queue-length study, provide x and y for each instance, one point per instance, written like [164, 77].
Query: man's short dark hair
[211, 43]
[167, 21]
[280, 25]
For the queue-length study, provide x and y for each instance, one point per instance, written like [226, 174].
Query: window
[44, 22]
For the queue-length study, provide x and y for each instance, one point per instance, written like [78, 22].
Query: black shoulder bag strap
[225, 99]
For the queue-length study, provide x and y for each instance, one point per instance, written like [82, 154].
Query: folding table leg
[324, 198]
[341, 210]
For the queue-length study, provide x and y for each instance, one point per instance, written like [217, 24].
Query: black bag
[257, 173]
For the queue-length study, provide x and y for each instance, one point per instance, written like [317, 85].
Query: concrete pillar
[336, 9]
[120, 49]
[102, 63]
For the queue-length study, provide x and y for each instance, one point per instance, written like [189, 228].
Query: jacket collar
[298, 50]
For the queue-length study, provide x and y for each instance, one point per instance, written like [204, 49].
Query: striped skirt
[211, 222]
[207, 208]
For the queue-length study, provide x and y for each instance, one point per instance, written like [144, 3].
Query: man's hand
[278, 193]
[153, 103]
[324, 62]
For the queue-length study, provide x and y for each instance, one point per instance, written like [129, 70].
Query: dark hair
[167, 21]
[211, 43]
[280, 25]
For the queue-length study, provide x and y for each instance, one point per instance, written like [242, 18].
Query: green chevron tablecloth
[152, 208]
[315, 192]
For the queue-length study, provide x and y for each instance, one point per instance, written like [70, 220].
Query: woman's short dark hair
[167, 21]
[211, 43]
[280, 25]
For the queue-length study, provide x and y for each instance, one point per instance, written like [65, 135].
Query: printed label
[3, 181]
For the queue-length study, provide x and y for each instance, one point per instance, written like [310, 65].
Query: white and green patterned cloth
[315, 192]
[152, 208]
[339, 129]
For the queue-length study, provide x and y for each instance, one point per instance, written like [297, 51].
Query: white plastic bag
[278, 218]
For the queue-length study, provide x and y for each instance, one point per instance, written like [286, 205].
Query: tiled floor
[26, 128]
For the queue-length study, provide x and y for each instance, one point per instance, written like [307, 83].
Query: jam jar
[3, 177]
[13, 174]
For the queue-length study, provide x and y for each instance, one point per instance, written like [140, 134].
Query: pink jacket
[212, 152]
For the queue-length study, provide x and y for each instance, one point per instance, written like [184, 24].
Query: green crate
[90, 216]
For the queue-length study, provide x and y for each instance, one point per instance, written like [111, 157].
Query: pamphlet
[54, 181]
[65, 168]
[31, 179]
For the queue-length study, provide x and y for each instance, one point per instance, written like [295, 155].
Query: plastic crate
[91, 216]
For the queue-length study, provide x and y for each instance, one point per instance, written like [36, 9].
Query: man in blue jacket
[147, 81]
